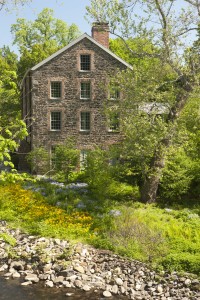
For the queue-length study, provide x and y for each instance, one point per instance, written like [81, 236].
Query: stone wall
[65, 68]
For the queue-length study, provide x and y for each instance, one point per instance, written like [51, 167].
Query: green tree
[9, 89]
[39, 39]
[64, 160]
[10, 4]
[170, 83]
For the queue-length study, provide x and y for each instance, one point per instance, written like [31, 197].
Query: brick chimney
[100, 33]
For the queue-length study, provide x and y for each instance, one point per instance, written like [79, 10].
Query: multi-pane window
[114, 122]
[85, 121]
[83, 159]
[114, 92]
[56, 89]
[53, 155]
[55, 120]
[85, 62]
[85, 90]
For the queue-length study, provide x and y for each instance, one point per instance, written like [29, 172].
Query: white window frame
[85, 62]
[114, 93]
[111, 120]
[84, 122]
[60, 89]
[60, 121]
[83, 158]
[85, 87]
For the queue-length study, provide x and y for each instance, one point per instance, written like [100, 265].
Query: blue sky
[70, 11]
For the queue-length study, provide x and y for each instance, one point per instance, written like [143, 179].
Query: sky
[70, 11]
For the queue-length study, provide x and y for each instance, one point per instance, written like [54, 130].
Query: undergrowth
[166, 238]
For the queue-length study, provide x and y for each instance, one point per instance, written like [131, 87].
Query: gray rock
[49, 283]
[115, 289]
[79, 269]
[86, 288]
[119, 281]
[32, 277]
[107, 294]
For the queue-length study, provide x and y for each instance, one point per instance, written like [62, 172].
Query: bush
[182, 261]
[177, 175]
[131, 235]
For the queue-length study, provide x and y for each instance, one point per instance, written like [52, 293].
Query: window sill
[54, 130]
[84, 131]
[57, 99]
[113, 131]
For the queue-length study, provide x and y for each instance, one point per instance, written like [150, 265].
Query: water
[12, 290]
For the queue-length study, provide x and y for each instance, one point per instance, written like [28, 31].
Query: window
[55, 120]
[85, 90]
[85, 62]
[53, 155]
[56, 89]
[83, 159]
[114, 93]
[85, 121]
[114, 122]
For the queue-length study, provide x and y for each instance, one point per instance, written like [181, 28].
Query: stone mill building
[64, 95]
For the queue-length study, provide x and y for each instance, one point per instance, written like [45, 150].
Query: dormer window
[85, 62]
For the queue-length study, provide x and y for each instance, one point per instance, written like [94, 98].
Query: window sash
[53, 155]
[55, 120]
[85, 121]
[114, 122]
[85, 90]
[56, 89]
[83, 159]
[114, 93]
[85, 62]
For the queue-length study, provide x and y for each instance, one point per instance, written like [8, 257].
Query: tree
[9, 90]
[13, 3]
[39, 39]
[167, 24]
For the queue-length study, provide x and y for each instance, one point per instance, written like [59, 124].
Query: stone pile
[58, 263]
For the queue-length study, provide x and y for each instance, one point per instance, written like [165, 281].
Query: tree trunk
[152, 180]
[150, 186]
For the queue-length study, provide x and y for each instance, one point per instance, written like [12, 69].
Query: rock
[79, 269]
[159, 289]
[49, 283]
[115, 289]
[119, 281]
[26, 283]
[107, 294]
[187, 282]
[32, 277]
[69, 294]
[16, 275]
[67, 284]
[86, 288]
[17, 265]
[78, 283]
[58, 279]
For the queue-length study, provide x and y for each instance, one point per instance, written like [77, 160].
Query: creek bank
[58, 263]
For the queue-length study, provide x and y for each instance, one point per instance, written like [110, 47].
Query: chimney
[100, 33]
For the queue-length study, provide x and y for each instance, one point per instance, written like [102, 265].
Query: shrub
[182, 261]
[38, 159]
[129, 233]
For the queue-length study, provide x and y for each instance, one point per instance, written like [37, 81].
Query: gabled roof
[85, 35]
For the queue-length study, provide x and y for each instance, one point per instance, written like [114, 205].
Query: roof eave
[85, 35]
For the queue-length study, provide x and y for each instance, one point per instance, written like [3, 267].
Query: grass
[166, 238]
